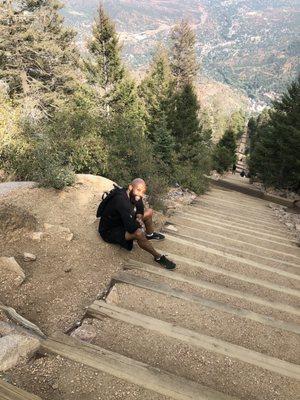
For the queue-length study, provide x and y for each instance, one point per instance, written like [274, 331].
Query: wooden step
[130, 370]
[223, 238]
[196, 339]
[133, 264]
[285, 262]
[279, 239]
[241, 277]
[233, 234]
[258, 204]
[235, 206]
[235, 219]
[11, 392]
[162, 288]
[232, 257]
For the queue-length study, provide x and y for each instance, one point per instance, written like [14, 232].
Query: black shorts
[117, 236]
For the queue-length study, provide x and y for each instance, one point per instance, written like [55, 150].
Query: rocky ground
[289, 217]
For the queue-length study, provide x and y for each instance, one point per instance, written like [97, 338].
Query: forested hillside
[64, 112]
[251, 45]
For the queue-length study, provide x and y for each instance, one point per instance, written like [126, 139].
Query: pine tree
[275, 150]
[237, 123]
[192, 142]
[37, 53]
[155, 90]
[184, 117]
[224, 154]
[104, 66]
[183, 55]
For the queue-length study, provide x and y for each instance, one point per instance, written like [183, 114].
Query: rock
[14, 348]
[297, 227]
[60, 231]
[29, 257]
[289, 225]
[9, 265]
[113, 296]
[6, 328]
[67, 269]
[37, 236]
[85, 332]
[70, 237]
[172, 228]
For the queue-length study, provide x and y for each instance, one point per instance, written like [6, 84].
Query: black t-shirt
[120, 212]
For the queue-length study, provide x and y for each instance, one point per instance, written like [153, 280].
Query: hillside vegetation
[251, 45]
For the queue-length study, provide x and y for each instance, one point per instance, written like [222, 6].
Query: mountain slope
[249, 44]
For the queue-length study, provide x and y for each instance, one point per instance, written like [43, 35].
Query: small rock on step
[113, 296]
[29, 257]
[85, 332]
[172, 228]
[36, 236]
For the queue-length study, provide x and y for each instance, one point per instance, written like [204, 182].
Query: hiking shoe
[168, 264]
[155, 236]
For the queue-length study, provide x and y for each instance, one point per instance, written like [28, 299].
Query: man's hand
[139, 219]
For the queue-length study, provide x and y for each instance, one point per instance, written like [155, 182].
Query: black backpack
[106, 197]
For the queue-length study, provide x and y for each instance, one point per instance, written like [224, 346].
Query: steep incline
[225, 325]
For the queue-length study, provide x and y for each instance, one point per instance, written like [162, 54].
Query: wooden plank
[278, 234]
[242, 231]
[250, 192]
[133, 371]
[11, 392]
[253, 211]
[235, 275]
[232, 257]
[212, 286]
[282, 263]
[230, 230]
[209, 343]
[231, 199]
[195, 298]
[250, 245]
[233, 218]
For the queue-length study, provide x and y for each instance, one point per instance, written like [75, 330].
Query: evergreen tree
[37, 53]
[104, 66]
[237, 123]
[224, 154]
[275, 149]
[184, 116]
[155, 90]
[192, 142]
[183, 55]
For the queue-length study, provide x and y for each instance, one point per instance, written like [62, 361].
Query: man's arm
[140, 213]
[130, 224]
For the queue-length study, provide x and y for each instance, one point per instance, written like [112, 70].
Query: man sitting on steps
[124, 220]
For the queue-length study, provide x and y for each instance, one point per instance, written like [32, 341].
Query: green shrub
[222, 159]
[187, 177]
[157, 187]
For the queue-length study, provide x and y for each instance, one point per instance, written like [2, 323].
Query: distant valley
[250, 45]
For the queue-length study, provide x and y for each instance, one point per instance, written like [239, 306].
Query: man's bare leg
[142, 241]
[147, 219]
